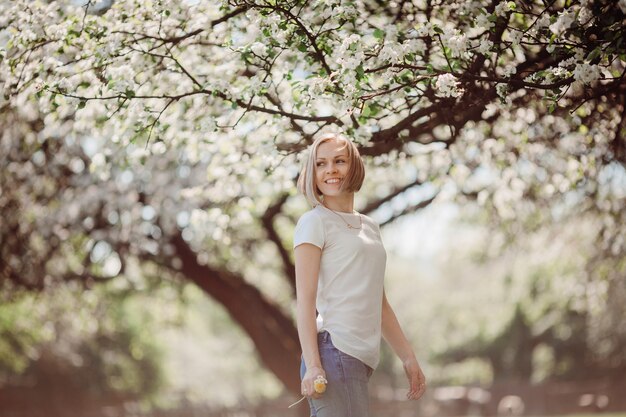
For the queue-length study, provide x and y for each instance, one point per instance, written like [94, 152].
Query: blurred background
[148, 158]
[509, 332]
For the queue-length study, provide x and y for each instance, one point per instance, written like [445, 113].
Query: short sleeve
[310, 229]
[380, 234]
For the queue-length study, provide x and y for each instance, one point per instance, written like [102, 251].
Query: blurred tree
[554, 311]
[69, 347]
[169, 132]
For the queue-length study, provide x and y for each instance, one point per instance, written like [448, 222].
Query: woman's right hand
[307, 386]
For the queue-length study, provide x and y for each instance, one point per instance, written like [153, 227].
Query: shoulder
[312, 219]
[310, 229]
[311, 216]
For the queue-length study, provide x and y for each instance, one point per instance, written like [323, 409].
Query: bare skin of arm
[394, 336]
[307, 260]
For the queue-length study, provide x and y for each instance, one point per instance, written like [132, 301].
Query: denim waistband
[323, 337]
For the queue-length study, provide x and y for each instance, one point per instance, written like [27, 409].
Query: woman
[340, 266]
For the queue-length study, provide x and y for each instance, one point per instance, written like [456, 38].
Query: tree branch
[373, 205]
[272, 332]
[409, 209]
[268, 224]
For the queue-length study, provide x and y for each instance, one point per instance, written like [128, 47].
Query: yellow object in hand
[319, 385]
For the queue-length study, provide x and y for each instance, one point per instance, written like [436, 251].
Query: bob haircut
[352, 182]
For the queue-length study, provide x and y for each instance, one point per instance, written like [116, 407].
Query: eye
[319, 164]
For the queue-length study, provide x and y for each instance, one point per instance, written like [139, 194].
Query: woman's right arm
[307, 258]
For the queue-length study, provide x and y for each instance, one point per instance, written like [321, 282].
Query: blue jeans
[346, 392]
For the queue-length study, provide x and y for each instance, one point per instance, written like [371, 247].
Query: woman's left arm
[393, 334]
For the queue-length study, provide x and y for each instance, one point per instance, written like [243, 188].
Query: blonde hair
[352, 182]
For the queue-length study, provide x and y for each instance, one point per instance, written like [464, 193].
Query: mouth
[332, 181]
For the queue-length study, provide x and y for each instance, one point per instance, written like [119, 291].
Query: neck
[343, 203]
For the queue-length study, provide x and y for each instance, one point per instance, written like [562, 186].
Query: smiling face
[333, 171]
[332, 165]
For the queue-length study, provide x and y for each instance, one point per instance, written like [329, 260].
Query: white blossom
[350, 62]
[258, 48]
[587, 73]
[515, 36]
[392, 51]
[509, 70]
[345, 57]
[558, 72]
[457, 44]
[564, 21]
[51, 62]
[118, 61]
[568, 62]
[58, 31]
[447, 86]
[66, 84]
[425, 30]
[532, 78]
[542, 22]
[502, 8]
[482, 21]
[584, 15]
[485, 46]
[318, 85]
[414, 46]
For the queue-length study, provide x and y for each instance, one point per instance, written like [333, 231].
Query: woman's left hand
[417, 381]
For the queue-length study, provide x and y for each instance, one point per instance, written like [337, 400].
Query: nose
[331, 167]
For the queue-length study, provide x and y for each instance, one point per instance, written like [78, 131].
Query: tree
[67, 350]
[169, 132]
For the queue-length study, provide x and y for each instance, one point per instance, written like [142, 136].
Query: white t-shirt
[350, 286]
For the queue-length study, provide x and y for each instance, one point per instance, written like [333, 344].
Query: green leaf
[82, 104]
[437, 29]
[360, 73]
[594, 54]
[379, 34]
[366, 112]
[406, 76]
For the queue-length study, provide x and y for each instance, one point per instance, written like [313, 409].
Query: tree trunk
[273, 334]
